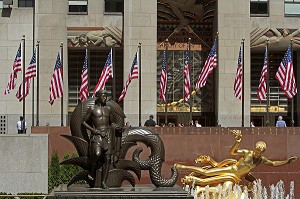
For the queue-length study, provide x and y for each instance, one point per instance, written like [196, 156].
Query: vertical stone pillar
[233, 26]
[140, 26]
[51, 30]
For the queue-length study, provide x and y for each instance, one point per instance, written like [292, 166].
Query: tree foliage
[61, 174]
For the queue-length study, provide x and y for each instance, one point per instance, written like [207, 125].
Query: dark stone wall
[184, 144]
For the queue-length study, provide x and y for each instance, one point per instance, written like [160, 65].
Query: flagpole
[243, 82]
[191, 105]
[166, 94]
[62, 97]
[114, 74]
[217, 80]
[33, 42]
[23, 68]
[268, 82]
[140, 83]
[88, 51]
[292, 100]
[37, 56]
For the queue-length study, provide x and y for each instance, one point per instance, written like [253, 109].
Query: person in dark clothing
[150, 122]
[21, 126]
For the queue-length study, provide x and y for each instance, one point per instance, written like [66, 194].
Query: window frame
[292, 2]
[32, 1]
[260, 15]
[110, 11]
[78, 13]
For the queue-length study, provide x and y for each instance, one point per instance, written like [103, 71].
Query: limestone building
[101, 25]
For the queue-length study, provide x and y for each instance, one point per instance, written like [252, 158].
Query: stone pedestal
[126, 191]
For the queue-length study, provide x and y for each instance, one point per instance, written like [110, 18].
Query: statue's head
[101, 96]
[260, 147]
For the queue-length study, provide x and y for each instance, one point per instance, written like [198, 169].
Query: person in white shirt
[197, 124]
[21, 125]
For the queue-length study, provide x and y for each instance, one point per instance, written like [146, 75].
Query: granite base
[126, 191]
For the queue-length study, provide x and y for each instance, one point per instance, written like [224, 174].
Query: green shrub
[53, 172]
[61, 174]
[68, 171]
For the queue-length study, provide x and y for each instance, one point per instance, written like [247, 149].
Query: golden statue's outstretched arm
[238, 138]
[279, 162]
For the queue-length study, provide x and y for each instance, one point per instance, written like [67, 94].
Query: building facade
[98, 26]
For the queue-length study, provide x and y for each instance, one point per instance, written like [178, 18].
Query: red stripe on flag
[238, 79]
[56, 84]
[106, 73]
[133, 74]
[209, 65]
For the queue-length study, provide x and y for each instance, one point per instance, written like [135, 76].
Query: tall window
[77, 6]
[97, 58]
[292, 7]
[114, 5]
[25, 3]
[278, 102]
[259, 8]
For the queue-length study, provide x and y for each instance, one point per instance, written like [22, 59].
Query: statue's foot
[104, 186]
[188, 179]
[203, 159]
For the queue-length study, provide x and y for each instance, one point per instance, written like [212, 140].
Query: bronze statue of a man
[98, 121]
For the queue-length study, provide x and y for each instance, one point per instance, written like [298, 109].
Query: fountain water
[236, 191]
[292, 196]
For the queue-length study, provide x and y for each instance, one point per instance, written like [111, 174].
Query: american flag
[56, 84]
[13, 75]
[238, 79]
[262, 88]
[187, 83]
[106, 73]
[84, 90]
[30, 73]
[133, 74]
[163, 78]
[209, 65]
[285, 75]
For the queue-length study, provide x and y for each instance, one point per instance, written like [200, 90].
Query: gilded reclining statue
[229, 171]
